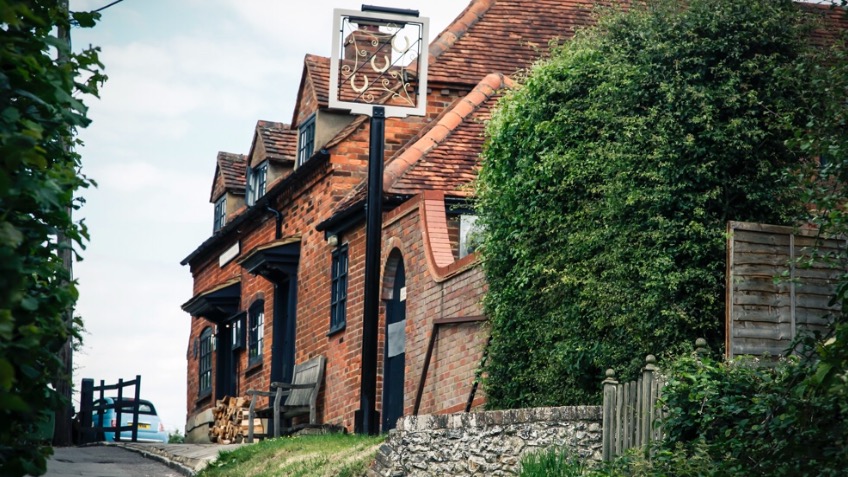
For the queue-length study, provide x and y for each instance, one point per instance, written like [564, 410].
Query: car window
[144, 407]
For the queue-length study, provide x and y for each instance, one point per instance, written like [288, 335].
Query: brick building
[281, 278]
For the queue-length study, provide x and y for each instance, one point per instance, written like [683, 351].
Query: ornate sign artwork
[379, 59]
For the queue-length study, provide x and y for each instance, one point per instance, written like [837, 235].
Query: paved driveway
[104, 461]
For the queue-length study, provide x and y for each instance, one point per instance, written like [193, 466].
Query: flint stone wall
[485, 443]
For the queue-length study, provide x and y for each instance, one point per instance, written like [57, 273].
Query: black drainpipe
[279, 215]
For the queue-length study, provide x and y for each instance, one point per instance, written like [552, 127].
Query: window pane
[257, 179]
[306, 141]
[338, 288]
[205, 364]
[256, 331]
[220, 213]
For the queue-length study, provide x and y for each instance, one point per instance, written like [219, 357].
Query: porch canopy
[275, 260]
[217, 304]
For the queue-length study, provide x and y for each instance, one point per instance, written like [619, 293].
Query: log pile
[231, 421]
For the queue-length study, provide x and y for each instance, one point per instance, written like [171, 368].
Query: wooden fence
[92, 429]
[630, 410]
[631, 416]
[764, 313]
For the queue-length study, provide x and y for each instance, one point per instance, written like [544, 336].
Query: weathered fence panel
[764, 315]
[631, 416]
[630, 410]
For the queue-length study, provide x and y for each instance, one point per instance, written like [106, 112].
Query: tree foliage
[39, 177]
[608, 179]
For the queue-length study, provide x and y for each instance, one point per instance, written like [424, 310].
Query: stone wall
[485, 443]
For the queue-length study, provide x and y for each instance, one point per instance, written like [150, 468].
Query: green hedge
[608, 179]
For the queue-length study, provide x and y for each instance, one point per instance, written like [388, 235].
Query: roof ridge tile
[443, 128]
[463, 22]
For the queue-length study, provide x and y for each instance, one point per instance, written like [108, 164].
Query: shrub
[175, 437]
[609, 176]
[756, 420]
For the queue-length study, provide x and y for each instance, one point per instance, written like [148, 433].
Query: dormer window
[306, 140]
[220, 213]
[256, 179]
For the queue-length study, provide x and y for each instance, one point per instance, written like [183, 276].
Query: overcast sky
[187, 79]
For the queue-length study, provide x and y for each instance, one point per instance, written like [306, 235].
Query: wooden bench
[301, 396]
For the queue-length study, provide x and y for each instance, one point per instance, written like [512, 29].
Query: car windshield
[144, 407]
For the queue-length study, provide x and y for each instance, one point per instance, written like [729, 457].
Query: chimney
[365, 42]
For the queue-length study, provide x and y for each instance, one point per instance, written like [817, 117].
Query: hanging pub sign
[379, 58]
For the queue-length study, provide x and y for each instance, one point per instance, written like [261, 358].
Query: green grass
[322, 455]
[555, 462]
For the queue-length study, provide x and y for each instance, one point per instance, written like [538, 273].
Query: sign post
[378, 68]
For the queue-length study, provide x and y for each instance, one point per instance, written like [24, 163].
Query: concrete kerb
[187, 459]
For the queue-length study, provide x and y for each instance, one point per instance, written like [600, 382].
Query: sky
[187, 79]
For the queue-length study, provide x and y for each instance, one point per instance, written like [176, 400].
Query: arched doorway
[395, 348]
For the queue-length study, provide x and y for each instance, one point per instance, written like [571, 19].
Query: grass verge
[328, 455]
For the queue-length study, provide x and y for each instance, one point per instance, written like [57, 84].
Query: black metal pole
[367, 420]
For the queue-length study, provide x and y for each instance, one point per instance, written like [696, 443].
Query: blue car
[150, 427]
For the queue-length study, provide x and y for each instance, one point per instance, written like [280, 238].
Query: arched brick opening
[389, 273]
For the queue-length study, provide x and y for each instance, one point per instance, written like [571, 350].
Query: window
[306, 141]
[205, 366]
[238, 332]
[220, 213]
[256, 318]
[338, 295]
[469, 234]
[256, 179]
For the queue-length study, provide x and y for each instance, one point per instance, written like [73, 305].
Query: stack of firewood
[232, 420]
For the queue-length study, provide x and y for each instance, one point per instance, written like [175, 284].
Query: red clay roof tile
[833, 22]
[446, 157]
[279, 140]
[318, 69]
[503, 36]
[230, 168]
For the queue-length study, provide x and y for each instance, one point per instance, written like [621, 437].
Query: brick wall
[433, 294]
[217, 187]
[459, 347]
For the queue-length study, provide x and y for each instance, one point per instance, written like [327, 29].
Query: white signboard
[228, 255]
[379, 58]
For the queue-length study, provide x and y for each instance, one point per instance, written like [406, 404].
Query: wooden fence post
[648, 399]
[609, 423]
[86, 434]
[701, 348]
[136, 405]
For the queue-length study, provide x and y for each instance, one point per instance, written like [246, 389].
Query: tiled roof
[446, 158]
[507, 35]
[503, 36]
[231, 169]
[318, 69]
[279, 139]
[834, 21]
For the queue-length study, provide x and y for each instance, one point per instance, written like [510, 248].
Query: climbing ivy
[608, 179]
[39, 176]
